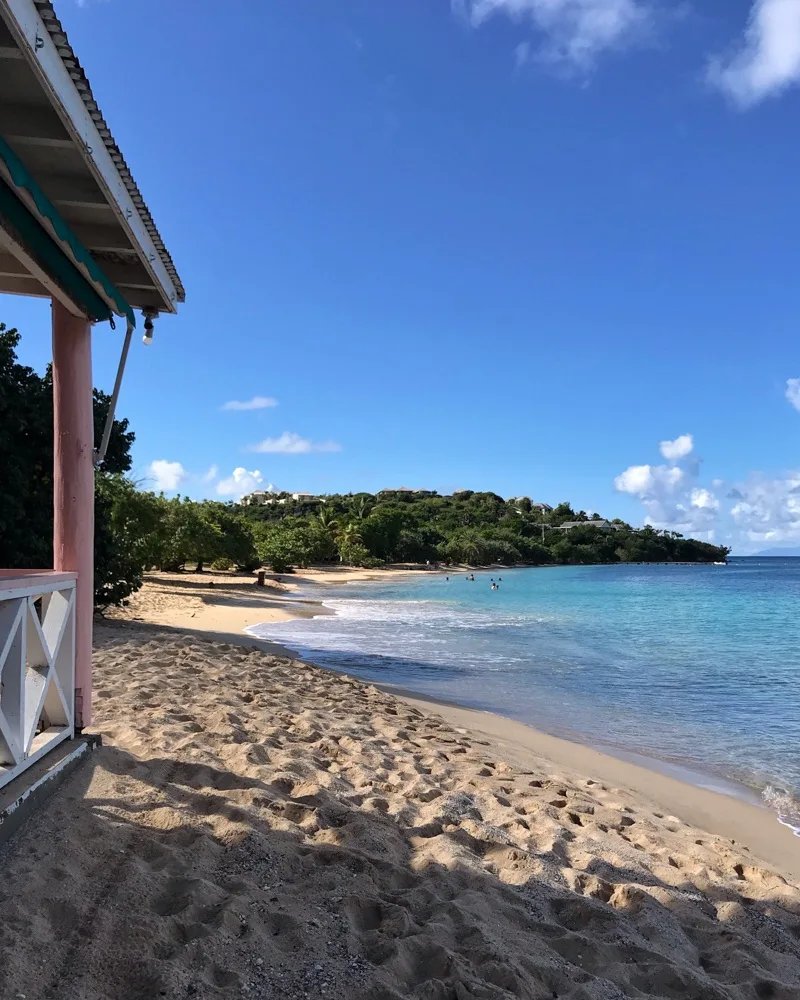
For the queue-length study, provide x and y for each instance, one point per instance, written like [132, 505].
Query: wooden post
[73, 484]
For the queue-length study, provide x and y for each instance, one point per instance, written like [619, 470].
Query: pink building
[74, 228]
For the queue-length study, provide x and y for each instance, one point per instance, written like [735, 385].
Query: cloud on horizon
[256, 403]
[167, 476]
[754, 513]
[768, 509]
[573, 33]
[240, 482]
[292, 444]
[767, 61]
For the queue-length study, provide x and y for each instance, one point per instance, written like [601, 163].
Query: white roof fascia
[41, 53]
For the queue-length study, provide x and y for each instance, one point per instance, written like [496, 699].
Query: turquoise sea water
[697, 666]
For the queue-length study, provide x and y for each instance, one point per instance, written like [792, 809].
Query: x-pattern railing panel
[37, 669]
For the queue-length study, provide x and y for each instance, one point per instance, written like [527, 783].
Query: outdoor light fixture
[149, 316]
[147, 339]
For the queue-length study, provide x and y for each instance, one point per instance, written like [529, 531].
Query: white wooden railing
[37, 666]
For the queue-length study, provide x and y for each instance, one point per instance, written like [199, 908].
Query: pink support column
[73, 484]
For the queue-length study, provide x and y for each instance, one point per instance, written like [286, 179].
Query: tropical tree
[127, 537]
[347, 539]
[361, 507]
[327, 519]
[381, 531]
[191, 535]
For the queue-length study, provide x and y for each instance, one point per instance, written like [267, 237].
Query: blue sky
[494, 244]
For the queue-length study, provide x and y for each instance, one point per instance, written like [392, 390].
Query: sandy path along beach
[256, 827]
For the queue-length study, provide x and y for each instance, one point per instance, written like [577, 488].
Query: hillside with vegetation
[466, 528]
[136, 530]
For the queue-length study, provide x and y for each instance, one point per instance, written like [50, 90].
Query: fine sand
[255, 827]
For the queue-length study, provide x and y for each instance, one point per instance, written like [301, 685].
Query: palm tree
[471, 551]
[347, 537]
[328, 520]
[361, 508]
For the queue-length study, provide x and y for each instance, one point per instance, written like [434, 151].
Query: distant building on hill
[307, 498]
[407, 489]
[543, 508]
[255, 498]
[599, 523]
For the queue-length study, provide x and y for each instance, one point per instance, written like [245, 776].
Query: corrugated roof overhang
[55, 131]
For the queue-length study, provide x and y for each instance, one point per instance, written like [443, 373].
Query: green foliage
[237, 543]
[127, 522]
[26, 481]
[223, 564]
[381, 531]
[190, 534]
[26, 461]
[478, 529]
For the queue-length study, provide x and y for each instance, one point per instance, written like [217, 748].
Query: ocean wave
[422, 612]
[785, 805]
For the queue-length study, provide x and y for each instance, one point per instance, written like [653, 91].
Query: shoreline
[676, 770]
[696, 798]
[721, 806]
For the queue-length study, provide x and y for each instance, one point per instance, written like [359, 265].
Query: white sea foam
[421, 612]
[785, 805]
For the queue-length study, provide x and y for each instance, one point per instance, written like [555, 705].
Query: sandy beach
[228, 603]
[258, 827]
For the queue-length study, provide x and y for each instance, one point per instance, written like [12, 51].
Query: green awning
[59, 251]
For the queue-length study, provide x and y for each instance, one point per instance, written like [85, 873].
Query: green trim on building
[53, 257]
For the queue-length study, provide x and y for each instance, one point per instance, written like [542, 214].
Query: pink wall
[73, 484]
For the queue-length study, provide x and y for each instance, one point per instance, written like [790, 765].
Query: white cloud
[574, 32]
[647, 480]
[768, 509]
[668, 493]
[256, 403]
[167, 476]
[793, 392]
[522, 54]
[768, 59]
[703, 499]
[211, 475]
[292, 444]
[758, 512]
[677, 449]
[241, 481]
